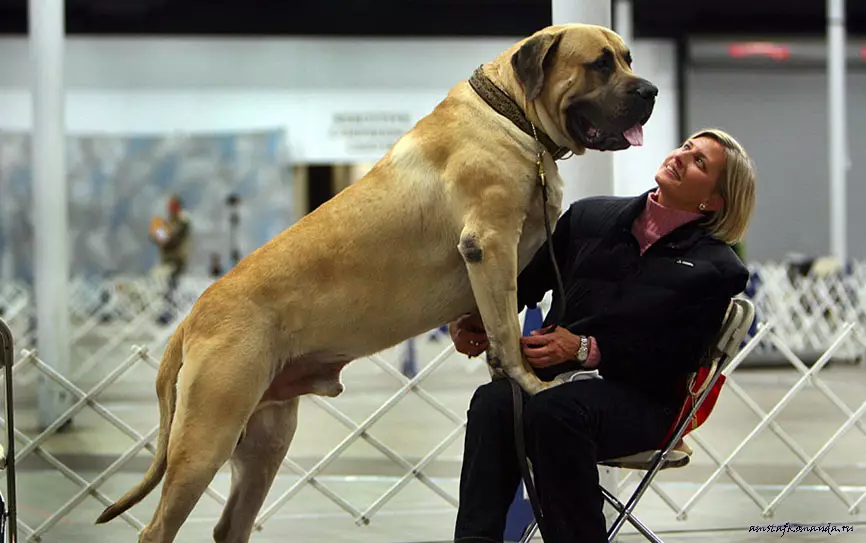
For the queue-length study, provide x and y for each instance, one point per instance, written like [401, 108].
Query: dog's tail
[166, 381]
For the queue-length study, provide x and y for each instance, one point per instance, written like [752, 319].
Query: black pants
[567, 429]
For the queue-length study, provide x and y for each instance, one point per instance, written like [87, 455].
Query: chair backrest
[741, 313]
[735, 326]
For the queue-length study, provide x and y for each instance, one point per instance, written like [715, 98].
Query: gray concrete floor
[416, 514]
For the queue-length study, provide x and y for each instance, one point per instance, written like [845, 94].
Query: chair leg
[529, 532]
[10, 508]
[626, 515]
[618, 505]
[642, 487]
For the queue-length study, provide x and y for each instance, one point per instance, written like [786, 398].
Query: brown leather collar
[505, 106]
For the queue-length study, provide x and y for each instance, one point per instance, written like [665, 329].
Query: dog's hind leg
[255, 463]
[219, 387]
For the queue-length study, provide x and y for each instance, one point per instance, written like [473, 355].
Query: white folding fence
[851, 497]
[809, 310]
[106, 316]
[804, 322]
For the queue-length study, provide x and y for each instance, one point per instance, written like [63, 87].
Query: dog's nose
[645, 90]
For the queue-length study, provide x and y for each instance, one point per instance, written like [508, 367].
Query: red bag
[693, 391]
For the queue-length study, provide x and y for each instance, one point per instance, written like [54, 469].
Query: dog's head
[578, 81]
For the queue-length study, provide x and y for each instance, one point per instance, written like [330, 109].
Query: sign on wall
[366, 132]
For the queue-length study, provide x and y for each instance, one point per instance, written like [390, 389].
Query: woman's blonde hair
[736, 186]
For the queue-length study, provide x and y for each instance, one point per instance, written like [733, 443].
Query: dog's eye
[603, 64]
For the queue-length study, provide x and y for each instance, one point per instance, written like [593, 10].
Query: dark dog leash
[516, 391]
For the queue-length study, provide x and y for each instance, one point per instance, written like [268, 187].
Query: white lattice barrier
[90, 488]
[364, 430]
[17, 307]
[36, 445]
[122, 311]
[107, 317]
[809, 310]
[771, 498]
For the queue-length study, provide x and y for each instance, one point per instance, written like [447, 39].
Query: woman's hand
[468, 335]
[543, 348]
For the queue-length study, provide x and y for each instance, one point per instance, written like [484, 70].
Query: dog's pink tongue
[634, 135]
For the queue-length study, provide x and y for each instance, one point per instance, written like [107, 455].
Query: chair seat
[643, 460]
[677, 458]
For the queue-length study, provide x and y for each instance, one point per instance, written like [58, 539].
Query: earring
[702, 207]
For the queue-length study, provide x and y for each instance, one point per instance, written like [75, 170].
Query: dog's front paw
[534, 387]
[529, 382]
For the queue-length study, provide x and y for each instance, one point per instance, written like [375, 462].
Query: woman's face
[688, 177]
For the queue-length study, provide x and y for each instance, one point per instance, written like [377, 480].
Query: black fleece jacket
[653, 315]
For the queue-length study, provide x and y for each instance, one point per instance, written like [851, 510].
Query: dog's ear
[530, 61]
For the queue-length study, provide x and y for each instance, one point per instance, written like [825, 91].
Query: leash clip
[539, 159]
[542, 177]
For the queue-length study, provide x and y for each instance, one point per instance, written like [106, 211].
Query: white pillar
[625, 21]
[623, 26]
[592, 173]
[50, 244]
[594, 12]
[838, 141]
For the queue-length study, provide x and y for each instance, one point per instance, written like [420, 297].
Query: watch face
[583, 351]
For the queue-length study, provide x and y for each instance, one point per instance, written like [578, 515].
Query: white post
[592, 173]
[838, 141]
[623, 25]
[624, 21]
[50, 244]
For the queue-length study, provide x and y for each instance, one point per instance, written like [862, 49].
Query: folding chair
[704, 386]
[8, 518]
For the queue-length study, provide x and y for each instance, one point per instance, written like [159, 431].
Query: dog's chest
[534, 234]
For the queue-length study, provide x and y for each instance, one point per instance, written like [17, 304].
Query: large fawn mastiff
[440, 227]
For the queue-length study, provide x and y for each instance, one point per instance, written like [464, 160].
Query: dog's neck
[505, 106]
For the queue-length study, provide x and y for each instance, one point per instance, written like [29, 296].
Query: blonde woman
[647, 282]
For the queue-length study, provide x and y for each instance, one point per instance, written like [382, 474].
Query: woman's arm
[537, 277]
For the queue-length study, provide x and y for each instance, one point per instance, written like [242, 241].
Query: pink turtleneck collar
[657, 221]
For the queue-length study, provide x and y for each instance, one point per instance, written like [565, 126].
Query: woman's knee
[492, 400]
[551, 414]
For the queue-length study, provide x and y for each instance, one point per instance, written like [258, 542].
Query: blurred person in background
[172, 237]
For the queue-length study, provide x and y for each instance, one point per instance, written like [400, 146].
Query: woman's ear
[714, 203]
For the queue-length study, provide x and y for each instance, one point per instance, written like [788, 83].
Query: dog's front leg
[490, 254]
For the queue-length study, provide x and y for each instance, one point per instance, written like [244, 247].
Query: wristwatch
[583, 351]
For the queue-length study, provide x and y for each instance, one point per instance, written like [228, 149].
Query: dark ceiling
[653, 18]
[744, 17]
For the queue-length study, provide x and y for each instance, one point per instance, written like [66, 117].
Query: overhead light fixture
[770, 50]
